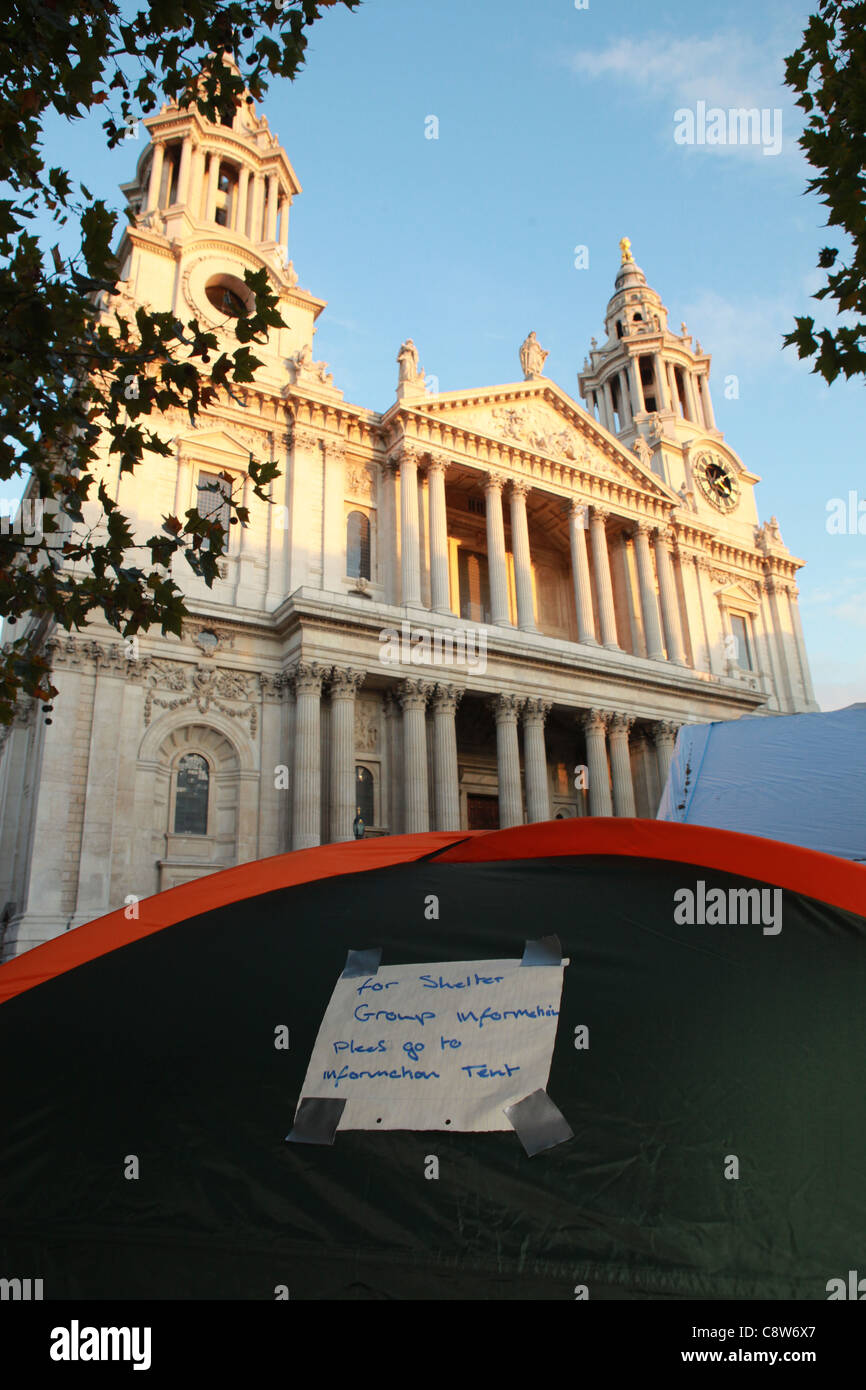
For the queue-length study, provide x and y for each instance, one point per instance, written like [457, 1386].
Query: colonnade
[660, 611]
[260, 203]
[606, 732]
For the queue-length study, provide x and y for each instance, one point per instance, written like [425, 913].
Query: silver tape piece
[362, 963]
[539, 1124]
[317, 1119]
[546, 951]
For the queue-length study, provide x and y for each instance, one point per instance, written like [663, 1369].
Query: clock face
[717, 481]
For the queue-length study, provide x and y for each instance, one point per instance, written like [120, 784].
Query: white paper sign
[437, 1046]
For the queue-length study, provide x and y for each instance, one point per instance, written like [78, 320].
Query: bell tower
[210, 200]
[646, 380]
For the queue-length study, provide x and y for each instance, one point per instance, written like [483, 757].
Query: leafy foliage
[829, 72]
[66, 378]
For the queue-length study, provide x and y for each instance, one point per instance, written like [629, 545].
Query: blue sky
[556, 129]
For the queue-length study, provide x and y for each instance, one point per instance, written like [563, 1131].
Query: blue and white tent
[800, 778]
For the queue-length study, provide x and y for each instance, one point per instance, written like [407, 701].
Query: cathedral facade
[478, 608]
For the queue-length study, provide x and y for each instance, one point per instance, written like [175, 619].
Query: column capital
[664, 535]
[345, 682]
[494, 482]
[413, 694]
[408, 452]
[536, 710]
[665, 731]
[642, 527]
[520, 487]
[438, 463]
[334, 449]
[307, 677]
[599, 513]
[307, 439]
[594, 721]
[447, 697]
[505, 708]
[621, 723]
[578, 512]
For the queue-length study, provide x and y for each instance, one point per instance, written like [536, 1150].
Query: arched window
[365, 802]
[358, 546]
[191, 795]
[618, 329]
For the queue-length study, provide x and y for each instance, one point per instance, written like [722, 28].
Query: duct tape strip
[362, 963]
[546, 951]
[317, 1119]
[539, 1124]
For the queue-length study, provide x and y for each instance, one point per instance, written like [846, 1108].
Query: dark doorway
[482, 812]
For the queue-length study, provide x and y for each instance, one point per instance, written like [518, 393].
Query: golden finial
[625, 248]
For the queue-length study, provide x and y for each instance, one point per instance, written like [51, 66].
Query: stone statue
[683, 330]
[532, 357]
[407, 358]
[642, 449]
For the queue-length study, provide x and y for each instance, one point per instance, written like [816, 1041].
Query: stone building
[477, 608]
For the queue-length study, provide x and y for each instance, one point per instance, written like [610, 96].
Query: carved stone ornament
[366, 726]
[203, 687]
[359, 482]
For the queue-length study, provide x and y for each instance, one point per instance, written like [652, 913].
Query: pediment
[541, 419]
[214, 446]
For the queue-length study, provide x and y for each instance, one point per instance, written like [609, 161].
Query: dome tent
[708, 1041]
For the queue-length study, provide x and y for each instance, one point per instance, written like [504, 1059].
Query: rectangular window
[211, 502]
[743, 649]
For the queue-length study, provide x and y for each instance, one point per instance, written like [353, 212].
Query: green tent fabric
[152, 1040]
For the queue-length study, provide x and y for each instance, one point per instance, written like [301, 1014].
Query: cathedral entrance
[482, 812]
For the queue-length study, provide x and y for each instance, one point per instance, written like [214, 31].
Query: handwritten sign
[437, 1046]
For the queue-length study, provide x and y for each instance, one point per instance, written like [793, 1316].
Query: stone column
[273, 191]
[440, 587]
[607, 408]
[410, 551]
[306, 781]
[620, 765]
[497, 571]
[594, 724]
[413, 696]
[258, 207]
[183, 174]
[661, 383]
[692, 408]
[625, 398]
[522, 559]
[284, 227]
[195, 192]
[155, 176]
[505, 710]
[213, 173]
[345, 684]
[706, 400]
[775, 587]
[577, 518]
[390, 539]
[243, 198]
[665, 737]
[636, 385]
[604, 587]
[446, 794]
[535, 712]
[668, 593]
[800, 642]
[674, 389]
[649, 606]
